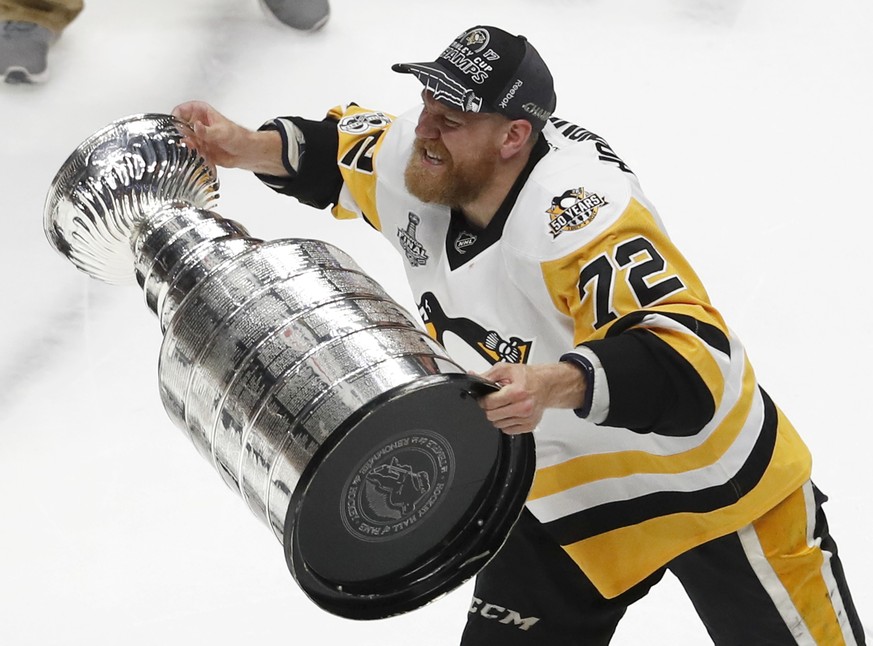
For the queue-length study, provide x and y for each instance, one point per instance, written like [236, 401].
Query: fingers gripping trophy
[318, 399]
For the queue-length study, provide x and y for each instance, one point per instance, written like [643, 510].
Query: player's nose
[426, 128]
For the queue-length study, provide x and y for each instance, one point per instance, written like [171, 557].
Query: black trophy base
[412, 497]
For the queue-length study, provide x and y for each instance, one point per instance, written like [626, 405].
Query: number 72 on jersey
[639, 263]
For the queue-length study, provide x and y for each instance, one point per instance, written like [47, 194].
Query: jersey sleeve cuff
[309, 156]
[293, 145]
[595, 407]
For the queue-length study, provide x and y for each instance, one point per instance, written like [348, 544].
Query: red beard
[448, 183]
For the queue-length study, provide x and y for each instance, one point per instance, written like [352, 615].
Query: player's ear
[517, 135]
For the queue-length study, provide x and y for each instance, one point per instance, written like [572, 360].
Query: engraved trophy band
[318, 399]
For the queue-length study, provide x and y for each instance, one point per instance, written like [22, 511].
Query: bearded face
[436, 176]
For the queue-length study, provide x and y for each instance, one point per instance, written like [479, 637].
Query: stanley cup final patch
[572, 210]
[414, 250]
[397, 486]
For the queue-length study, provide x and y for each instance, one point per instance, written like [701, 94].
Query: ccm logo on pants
[501, 614]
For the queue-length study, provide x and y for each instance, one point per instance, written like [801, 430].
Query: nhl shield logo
[464, 241]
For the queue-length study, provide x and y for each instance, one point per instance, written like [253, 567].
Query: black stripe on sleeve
[652, 388]
[318, 180]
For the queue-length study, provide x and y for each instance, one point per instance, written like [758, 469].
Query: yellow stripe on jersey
[697, 354]
[590, 468]
[358, 146]
[617, 560]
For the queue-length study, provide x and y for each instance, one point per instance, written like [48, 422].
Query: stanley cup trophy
[341, 423]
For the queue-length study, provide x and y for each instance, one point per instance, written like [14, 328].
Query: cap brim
[444, 87]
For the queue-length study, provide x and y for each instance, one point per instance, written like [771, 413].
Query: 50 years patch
[572, 210]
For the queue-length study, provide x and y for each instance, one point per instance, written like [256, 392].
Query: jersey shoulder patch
[568, 200]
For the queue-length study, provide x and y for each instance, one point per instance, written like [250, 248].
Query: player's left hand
[526, 391]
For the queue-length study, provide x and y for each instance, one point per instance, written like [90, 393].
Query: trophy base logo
[397, 486]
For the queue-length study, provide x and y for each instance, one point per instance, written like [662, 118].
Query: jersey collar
[465, 241]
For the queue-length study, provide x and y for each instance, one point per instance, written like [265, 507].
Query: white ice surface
[748, 124]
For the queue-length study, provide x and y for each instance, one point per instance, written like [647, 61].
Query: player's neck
[481, 210]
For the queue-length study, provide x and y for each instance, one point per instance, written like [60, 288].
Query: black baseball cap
[486, 69]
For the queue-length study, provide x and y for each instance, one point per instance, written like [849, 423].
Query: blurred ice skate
[24, 52]
[305, 15]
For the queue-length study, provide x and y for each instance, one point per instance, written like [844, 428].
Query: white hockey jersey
[680, 445]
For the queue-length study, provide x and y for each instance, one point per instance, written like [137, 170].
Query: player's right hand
[225, 143]
[221, 141]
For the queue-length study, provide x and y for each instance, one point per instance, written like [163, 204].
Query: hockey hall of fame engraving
[397, 486]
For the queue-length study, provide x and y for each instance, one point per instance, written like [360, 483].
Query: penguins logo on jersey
[572, 210]
[415, 251]
[489, 344]
[357, 124]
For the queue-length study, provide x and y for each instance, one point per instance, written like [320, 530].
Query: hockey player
[538, 261]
